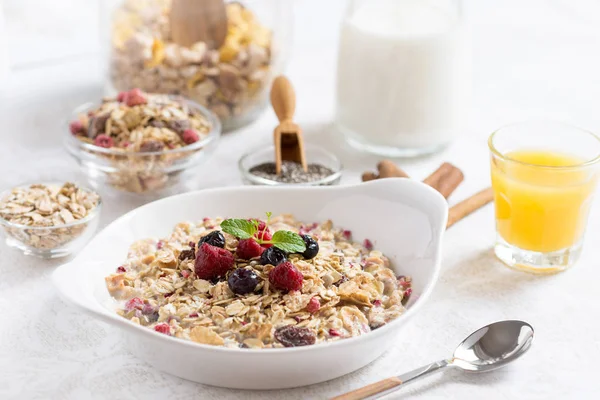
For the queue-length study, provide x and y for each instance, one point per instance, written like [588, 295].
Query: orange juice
[539, 206]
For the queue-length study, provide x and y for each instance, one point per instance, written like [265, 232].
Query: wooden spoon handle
[283, 99]
[469, 205]
[370, 390]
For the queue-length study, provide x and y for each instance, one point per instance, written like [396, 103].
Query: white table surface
[532, 59]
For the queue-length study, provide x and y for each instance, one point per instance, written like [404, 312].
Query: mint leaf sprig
[287, 241]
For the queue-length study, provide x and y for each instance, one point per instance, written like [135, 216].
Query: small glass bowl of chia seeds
[258, 168]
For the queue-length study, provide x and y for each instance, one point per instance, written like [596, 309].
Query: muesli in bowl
[49, 220]
[141, 142]
[253, 284]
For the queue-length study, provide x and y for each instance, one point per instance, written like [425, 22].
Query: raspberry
[313, 305]
[286, 276]
[212, 262]
[248, 248]
[368, 244]
[347, 234]
[190, 136]
[261, 224]
[135, 97]
[163, 328]
[134, 304]
[104, 141]
[264, 235]
[76, 127]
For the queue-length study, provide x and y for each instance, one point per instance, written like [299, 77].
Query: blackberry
[242, 281]
[215, 238]
[312, 247]
[273, 256]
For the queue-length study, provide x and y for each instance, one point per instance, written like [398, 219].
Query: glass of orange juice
[544, 176]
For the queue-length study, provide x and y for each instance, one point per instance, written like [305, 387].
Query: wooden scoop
[289, 144]
[195, 21]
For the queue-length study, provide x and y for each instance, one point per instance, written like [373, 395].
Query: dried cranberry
[135, 97]
[377, 303]
[406, 296]
[193, 315]
[185, 273]
[313, 305]
[334, 332]
[292, 336]
[76, 127]
[104, 141]
[160, 244]
[151, 146]
[163, 328]
[368, 244]
[347, 234]
[121, 269]
[134, 304]
[190, 136]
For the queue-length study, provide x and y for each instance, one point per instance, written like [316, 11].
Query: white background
[532, 59]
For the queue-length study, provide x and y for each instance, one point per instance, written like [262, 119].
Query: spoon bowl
[486, 349]
[493, 346]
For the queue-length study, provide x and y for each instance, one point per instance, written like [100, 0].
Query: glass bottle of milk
[403, 81]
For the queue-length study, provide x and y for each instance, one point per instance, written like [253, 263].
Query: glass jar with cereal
[231, 78]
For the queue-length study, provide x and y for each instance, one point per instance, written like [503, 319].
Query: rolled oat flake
[291, 172]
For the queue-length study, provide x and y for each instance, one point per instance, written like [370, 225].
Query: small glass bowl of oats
[49, 220]
[142, 143]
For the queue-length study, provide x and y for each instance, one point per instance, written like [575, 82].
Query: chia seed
[291, 172]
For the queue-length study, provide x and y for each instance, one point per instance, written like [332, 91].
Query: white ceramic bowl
[404, 218]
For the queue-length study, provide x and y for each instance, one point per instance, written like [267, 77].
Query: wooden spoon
[289, 143]
[195, 21]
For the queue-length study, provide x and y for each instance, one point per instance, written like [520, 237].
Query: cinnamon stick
[388, 169]
[369, 176]
[469, 205]
[445, 179]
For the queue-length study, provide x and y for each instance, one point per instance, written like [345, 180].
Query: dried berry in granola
[293, 336]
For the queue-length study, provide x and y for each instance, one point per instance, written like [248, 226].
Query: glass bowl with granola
[140, 142]
[49, 220]
[231, 78]
[247, 283]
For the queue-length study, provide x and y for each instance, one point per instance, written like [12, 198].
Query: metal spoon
[486, 349]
